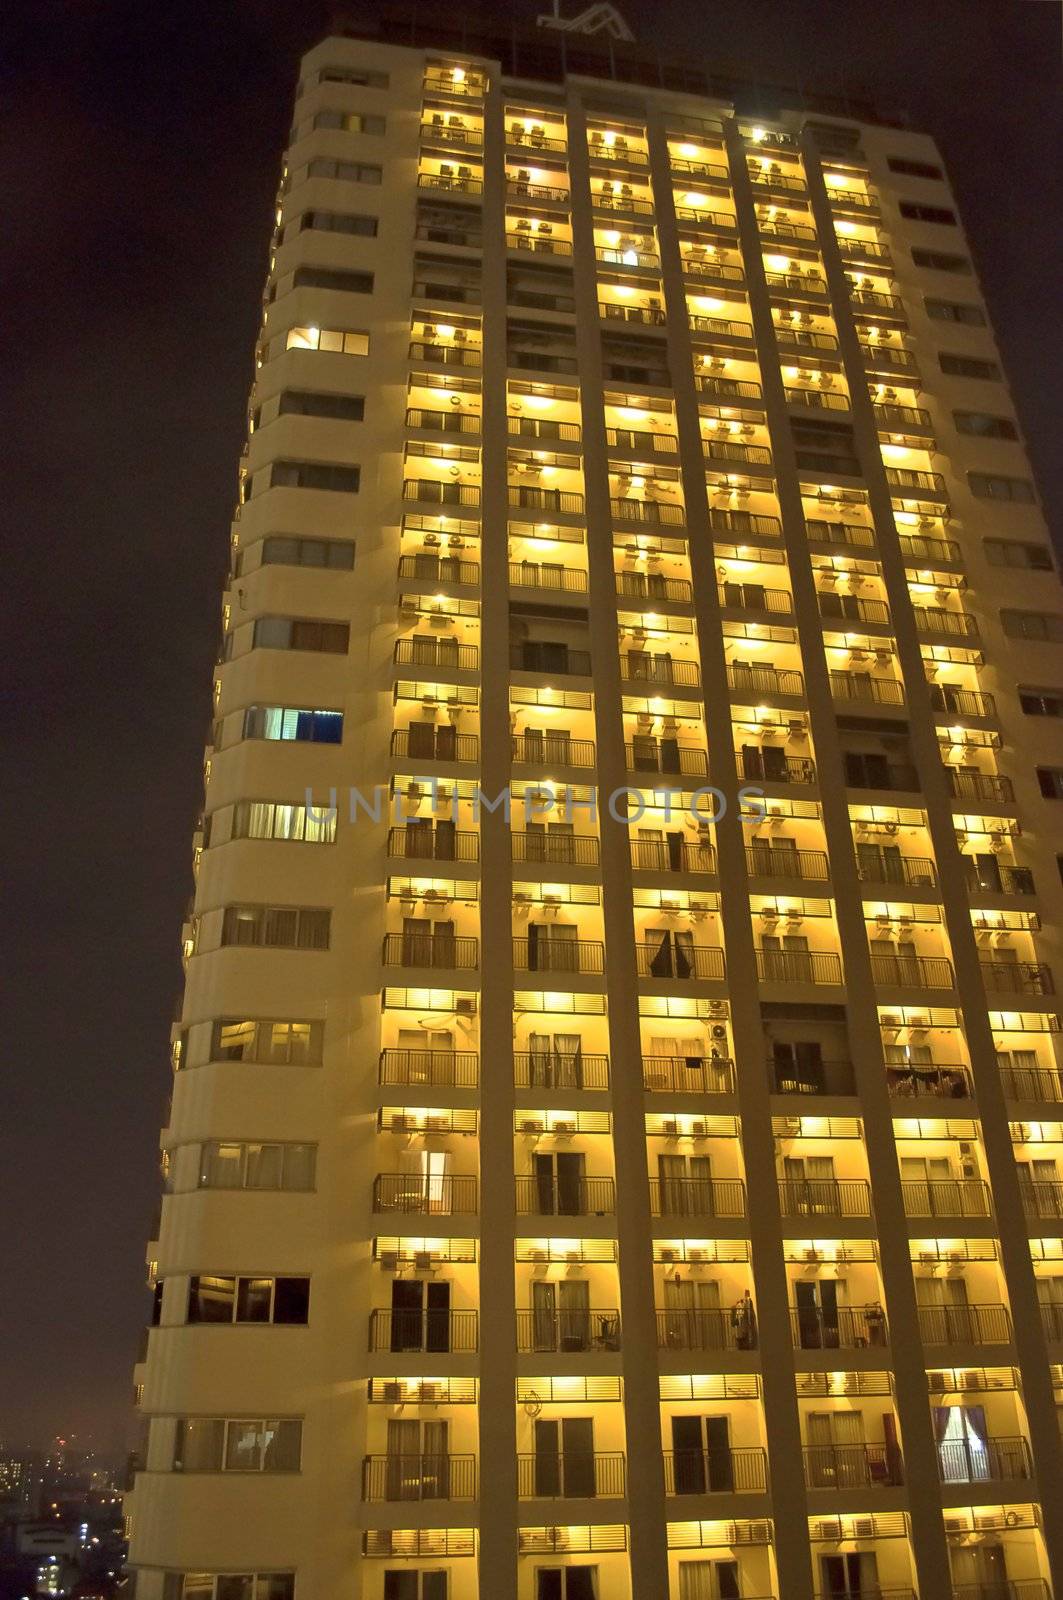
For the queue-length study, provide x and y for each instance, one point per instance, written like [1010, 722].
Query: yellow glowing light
[708, 302]
[458, 74]
[537, 402]
[758, 134]
[609, 139]
[625, 291]
[610, 237]
[778, 263]
[444, 330]
[833, 180]
[630, 258]
[638, 483]
[845, 227]
[688, 151]
[693, 199]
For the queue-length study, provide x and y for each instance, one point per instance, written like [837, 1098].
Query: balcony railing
[731, 389]
[771, 766]
[843, 1328]
[797, 282]
[745, 597]
[877, 357]
[535, 954]
[708, 1328]
[457, 183]
[980, 786]
[533, 656]
[568, 1332]
[876, 300]
[756, 455]
[1042, 1198]
[543, 428]
[553, 750]
[811, 1077]
[1042, 1084]
[860, 686]
[434, 844]
[726, 1470]
[799, 966]
[672, 855]
[419, 1477]
[945, 1197]
[886, 775]
[526, 190]
[864, 250]
[973, 1460]
[964, 1324]
[560, 1069]
[804, 339]
[1017, 977]
[442, 421]
[1052, 1321]
[892, 417]
[779, 228]
[640, 439]
[533, 139]
[1002, 1589]
[773, 861]
[571, 1475]
[439, 569]
[444, 355]
[626, 256]
[818, 399]
[765, 680]
[556, 849]
[458, 952]
[897, 869]
[653, 511]
[852, 1466]
[611, 311]
[425, 742]
[917, 547]
[459, 1069]
[540, 1195]
[425, 1194]
[521, 240]
[638, 666]
[669, 959]
[431, 1330]
[716, 271]
[539, 575]
[688, 1075]
[651, 586]
[731, 327]
[697, 1197]
[428, 652]
[998, 877]
[745, 522]
[530, 498]
[824, 1197]
[826, 531]
[913, 972]
[850, 607]
[922, 1080]
[909, 478]
[435, 492]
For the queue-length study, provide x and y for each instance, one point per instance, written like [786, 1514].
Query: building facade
[615, 1141]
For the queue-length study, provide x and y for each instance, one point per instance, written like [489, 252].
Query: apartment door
[566, 1583]
[427, 943]
[880, 863]
[786, 958]
[836, 1454]
[427, 1055]
[944, 1311]
[419, 837]
[933, 1190]
[693, 1314]
[812, 1187]
[401, 1583]
[701, 1454]
[550, 841]
[1041, 1188]
[671, 953]
[709, 1580]
[963, 1443]
[1050, 1298]
[555, 1060]
[564, 1456]
[552, 947]
[559, 1183]
[547, 744]
[985, 871]
[853, 1576]
[685, 1185]
[798, 1066]
[418, 1462]
[420, 1315]
[681, 1055]
[422, 739]
[817, 1314]
[561, 1315]
[980, 1570]
[775, 858]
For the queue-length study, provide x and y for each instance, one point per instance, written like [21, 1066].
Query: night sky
[142, 150]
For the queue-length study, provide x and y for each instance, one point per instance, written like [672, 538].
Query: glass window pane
[263, 1166]
[244, 1445]
[283, 1443]
[211, 1299]
[198, 1444]
[253, 1299]
[221, 1166]
[299, 1166]
[291, 1300]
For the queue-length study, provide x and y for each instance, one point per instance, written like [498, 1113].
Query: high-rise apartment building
[646, 1187]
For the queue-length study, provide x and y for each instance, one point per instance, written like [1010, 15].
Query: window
[219, 1444]
[274, 819]
[266, 1040]
[301, 633]
[955, 311]
[1050, 781]
[983, 426]
[400, 1583]
[968, 367]
[1043, 625]
[257, 1166]
[291, 723]
[277, 927]
[233, 1299]
[332, 278]
[1041, 702]
[915, 211]
[1016, 553]
[229, 1586]
[290, 551]
[314, 475]
[359, 76]
[350, 121]
[939, 261]
[991, 486]
[349, 171]
[566, 1583]
[332, 222]
[913, 169]
[340, 341]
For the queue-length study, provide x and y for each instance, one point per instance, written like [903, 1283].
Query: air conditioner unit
[697, 1130]
[863, 1527]
[393, 1394]
[670, 1127]
[401, 1123]
[717, 1008]
[667, 1253]
[436, 1125]
[431, 540]
[531, 1125]
[564, 1129]
[389, 1260]
[718, 1031]
[465, 1006]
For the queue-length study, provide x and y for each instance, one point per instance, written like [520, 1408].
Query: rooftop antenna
[600, 17]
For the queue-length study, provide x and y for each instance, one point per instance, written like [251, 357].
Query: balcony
[1035, 1084]
[863, 772]
[626, 256]
[546, 953]
[824, 530]
[424, 741]
[770, 765]
[726, 327]
[425, 1194]
[655, 512]
[912, 972]
[775, 861]
[1042, 1199]
[779, 228]
[917, 547]
[974, 1460]
[933, 621]
[553, 750]
[456, 1332]
[749, 523]
[850, 608]
[419, 651]
[528, 497]
[945, 1197]
[750, 455]
[729, 389]
[641, 439]
[639, 666]
[666, 756]
[543, 428]
[531, 655]
[533, 138]
[886, 358]
[460, 182]
[560, 1069]
[555, 849]
[709, 270]
[915, 871]
[814, 1076]
[444, 355]
[1017, 977]
[1003, 1589]
[824, 1197]
[765, 680]
[876, 300]
[804, 339]
[865, 250]
[670, 957]
[852, 1466]
[571, 1475]
[891, 418]
[568, 1332]
[989, 786]
[964, 1324]
[520, 184]
[611, 311]
[523, 239]
[925, 482]
[802, 283]
[1052, 1321]
[725, 1470]
[419, 1477]
[753, 597]
[442, 421]
[996, 877]
[818, 399]
[457, 952]
[842, 1328]
[542, 1195]
[427, 568]
[672, 855]
[697, 1197]
[441, 843]
[862, 687]
[456, 1069]
[688, 1075]
[709, 1328]
[924, 1080]
[436, 492]
[799, 966]
[547, 575]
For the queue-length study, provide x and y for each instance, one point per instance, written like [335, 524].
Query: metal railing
[536, 575]
[779, 602]
[543, 428]
[546, 1196]
[525, 360]
[852, 1466]
[879, 356]
[525, 189]
[641, 667]
[770, 766]
[419, 1477]
[912, 972]
[613, 311]
[971, 1460]
[553, 750]
[641, 439]
[828, 531]
[963, 1324]
[527, 657]
[850, 608]
[571, 1475]
[727, 1470]
[910, 478]
[1002, 1589]
[704, 1328]
[444, 355]
[824, 1197]
[425, 1194]
[860, 198]
[559, 1069]
[979, 786]
[451, 183]
[799, 966]
[662, 855]
[843, 1328]
[945, 1197]
[818, 399]
[654, 586]
[697, 1197]
[773, 861]
[700, 169]
[1041, 1197]
[897, 869]
[440, 133]
[1052, 1320]
[519, 240]
[1017, 977]
[626, 256]
[654, 511]
[860, 686]
[556, 849]
[923, 1080]
[797, 282]
[888, 415]
[688, 1075]
[568, 1332]
[804, 339]
[917, 547]
[811, 1077]
[781, 182]
[458, 1069]
[443, 421]
[421, 651]
[672, 960]
[999, 878]
[890, 775]
[439, 569]
[434, 492]
[535, 499]
[765, 680]
[717, 271]
[533, 140]
[431, 1330]
[430, 743]
[778, 228]
[1042, 1084]
[458, 952]
[434, 844]
[706, 218]
[751, 522]
[731, 389]
[585, 956]
[724, 450]
[731, 327]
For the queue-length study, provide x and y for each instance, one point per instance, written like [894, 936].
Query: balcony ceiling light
[778, 263]
[758, 134]
[691, 198]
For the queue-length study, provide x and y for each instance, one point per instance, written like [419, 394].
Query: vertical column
[1003, 1175]
[642, 1409]
[786, 1477]
[499, 1507]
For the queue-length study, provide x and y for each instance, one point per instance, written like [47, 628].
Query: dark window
[984, 426]
[156, 1305]
[955, 311]
[913, 169]
[825, 447]
[283, 550]
[940, 261]
[301, 633]
[1041, 702]
[339, 222]
[304, 402]
[292, 723]
[992, 486]
[1043, 625]
[968, 366]
[349, 171]
[330, 278]
[314, 475]
[291, 1300]
[232, 1299]
[277, 927]
[1016, 553]
[1050, 780]
[915, 211]
[361, 77]
[350, 121]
